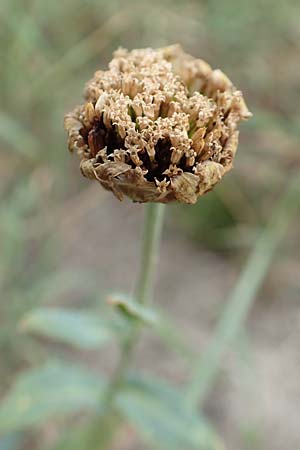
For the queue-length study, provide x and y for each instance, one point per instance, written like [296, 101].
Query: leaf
[167, 330]
[80, 329]
[54, 390]
[133, 310]
[159, 413]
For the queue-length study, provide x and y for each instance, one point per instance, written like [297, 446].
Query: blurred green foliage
[48, 50]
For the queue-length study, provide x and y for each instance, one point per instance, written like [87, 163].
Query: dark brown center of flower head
[156, 168]
[159, 125]
[100, 137]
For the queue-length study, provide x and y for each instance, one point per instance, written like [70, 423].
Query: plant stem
[143, 294]
[153, 223]
[152, 231]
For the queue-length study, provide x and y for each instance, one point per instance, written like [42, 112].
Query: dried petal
[158, 125]
[185, 187]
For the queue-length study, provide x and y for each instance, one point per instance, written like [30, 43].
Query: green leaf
[159, 413]
[80, 329]
[133, 310]
[54, 390]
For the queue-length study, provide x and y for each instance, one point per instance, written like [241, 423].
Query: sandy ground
[255, 401]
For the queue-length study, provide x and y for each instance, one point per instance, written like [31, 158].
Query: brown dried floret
[157, 126]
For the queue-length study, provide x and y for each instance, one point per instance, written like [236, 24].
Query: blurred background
[65, 241]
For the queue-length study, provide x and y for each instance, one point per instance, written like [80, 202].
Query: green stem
[153, 223]
[152, 231]
[150, 244]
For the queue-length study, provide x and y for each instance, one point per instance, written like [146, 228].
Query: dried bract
[157, 126]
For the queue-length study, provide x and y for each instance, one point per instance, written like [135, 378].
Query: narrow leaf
[133, 310]
[159, 413]
[54, 390]
[80, 329]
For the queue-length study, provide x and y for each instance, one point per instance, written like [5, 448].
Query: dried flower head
[157, 126]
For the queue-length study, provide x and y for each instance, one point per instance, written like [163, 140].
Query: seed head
[157, 126]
